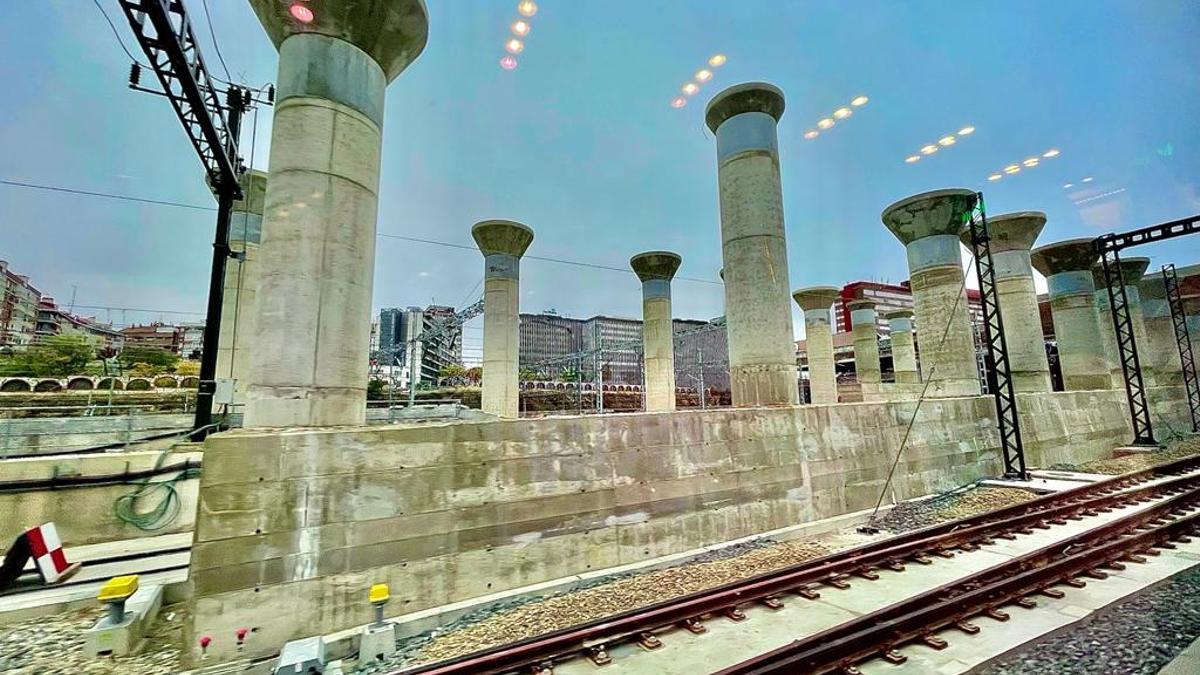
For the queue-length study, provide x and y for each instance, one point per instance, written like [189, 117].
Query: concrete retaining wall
[84, 515]
[38, 435]
[296, 525]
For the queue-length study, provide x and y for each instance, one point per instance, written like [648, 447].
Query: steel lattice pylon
[999, 378]
[1127, 353]
[1108, 247]
[1184, 341]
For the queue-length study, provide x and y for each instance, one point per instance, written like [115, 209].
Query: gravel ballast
[54, 644]
[510, 622]
[1139, 635]
[1176, 449]
[961, 503]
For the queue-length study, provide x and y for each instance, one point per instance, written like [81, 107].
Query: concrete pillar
[1012, 236]
[312, 332]
[904, 350]
[1104, 320]
[241, 286]
[1067, 266]
[928, 225]
[656, 269]
[502, 243]
[815, 301]
[762, 365]
[1160, 354]
[1191, 313]
[865, 328]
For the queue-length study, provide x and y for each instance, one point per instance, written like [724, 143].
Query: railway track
[1176, 483]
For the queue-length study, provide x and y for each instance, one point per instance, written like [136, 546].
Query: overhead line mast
[165, 34]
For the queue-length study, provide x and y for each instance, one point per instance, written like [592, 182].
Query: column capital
[505, 237]
[898, 314]
[743, 98]
[815, 298]
[1152, 287]
[1010, 231]
[928, 214]
[392, 32]
[860, 303]
[1072, 255]
[652, 265]
[1132, 271]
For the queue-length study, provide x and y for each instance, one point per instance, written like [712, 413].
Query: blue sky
[580, 143]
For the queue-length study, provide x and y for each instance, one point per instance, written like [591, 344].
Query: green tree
[452, 372]
[160, 358]
[143, 370]
[15, 365]
[375, 390]
[475, 375]
[527, 375]
[61, 356]
[187, 368]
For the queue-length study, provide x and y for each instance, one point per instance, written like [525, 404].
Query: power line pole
[164, 33]
[236, 101]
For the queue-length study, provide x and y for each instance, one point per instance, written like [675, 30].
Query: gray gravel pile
[54, 644]
[963, 502]
[1141, 635]
[1177, 447]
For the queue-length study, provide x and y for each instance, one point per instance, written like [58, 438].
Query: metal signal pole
[164, 32]
[235, 100]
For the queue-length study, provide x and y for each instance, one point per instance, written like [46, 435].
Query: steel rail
[832, 569]
[880, 633]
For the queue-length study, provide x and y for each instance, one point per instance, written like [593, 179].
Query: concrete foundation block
[1129, 450]
[122, 639]
[302, 656]
[378, 642]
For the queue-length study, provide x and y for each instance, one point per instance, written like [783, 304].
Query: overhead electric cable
[106, 195]
[434, 242]
[216, 47]
[920, 399]
[118, 36]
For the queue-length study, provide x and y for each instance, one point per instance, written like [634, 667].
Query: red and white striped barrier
[46, 549]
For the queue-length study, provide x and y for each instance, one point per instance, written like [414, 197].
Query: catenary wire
[920, 399]
[216, 47]
[434, 242]
[106, 195]
[118, 36]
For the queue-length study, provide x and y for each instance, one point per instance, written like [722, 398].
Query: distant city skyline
[581, 143]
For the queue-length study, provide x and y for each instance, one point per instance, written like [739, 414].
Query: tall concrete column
[1191, 313]
[502, 243]
[656, 269]
[904, 350]
[1012, 236]
[928, 225]
[241, 286]
[1160, 354]
[865, 328]
[1104, 319]
[312, 332]
[762, 364]
[815, 301]
[1067, 266]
